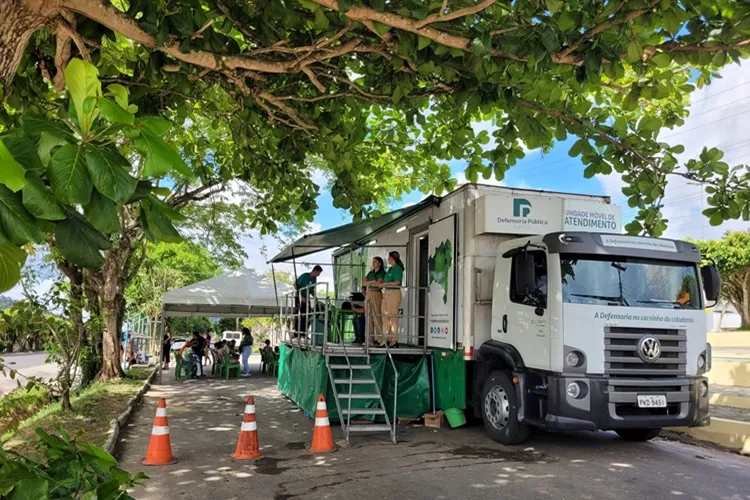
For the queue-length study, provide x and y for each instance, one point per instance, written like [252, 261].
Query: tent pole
[163, 332]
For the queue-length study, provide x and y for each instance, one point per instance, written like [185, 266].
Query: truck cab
[594, 331]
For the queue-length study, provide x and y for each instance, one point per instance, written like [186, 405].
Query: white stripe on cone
[160, 430]
[161, 412]
[249, 426]
[321, 422]
[322, 405]
[249, 408]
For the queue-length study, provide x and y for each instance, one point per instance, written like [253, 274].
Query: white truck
[561, 321]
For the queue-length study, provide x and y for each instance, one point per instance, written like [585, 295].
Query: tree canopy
[378, 93]
[732, 256]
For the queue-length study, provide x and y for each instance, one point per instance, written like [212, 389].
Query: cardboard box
[435, 420]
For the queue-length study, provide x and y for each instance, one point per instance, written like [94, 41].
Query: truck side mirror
[711, 283]
[523, 267]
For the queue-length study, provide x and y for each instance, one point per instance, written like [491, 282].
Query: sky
[719, 117]
[717, 112]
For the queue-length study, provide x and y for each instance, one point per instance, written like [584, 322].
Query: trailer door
[441, 283]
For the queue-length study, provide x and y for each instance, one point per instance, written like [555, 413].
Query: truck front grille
[621, 352]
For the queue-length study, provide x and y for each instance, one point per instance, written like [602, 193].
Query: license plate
[651, 401]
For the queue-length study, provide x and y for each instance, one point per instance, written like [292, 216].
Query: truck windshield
[629, 282]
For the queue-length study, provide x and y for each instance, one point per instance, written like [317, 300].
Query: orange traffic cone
[247, 444]
[322, 437]
[159, 447]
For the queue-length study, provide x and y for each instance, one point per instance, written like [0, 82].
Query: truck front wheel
[638, 434]
[500, 410]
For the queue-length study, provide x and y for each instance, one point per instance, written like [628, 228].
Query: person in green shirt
[302, 285]
[375, 299]
[391, 286]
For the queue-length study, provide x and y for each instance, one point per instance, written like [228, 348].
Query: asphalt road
[204, 420]
[28, 364]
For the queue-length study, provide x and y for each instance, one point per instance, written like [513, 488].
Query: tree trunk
[111, 354]
[19, 19]
[745, 309]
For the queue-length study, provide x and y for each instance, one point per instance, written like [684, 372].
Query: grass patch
[93, 409]
[20, 404]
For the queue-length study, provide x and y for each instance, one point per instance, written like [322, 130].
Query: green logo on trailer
[521, 207]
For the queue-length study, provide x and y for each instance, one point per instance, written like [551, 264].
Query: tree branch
[314, 79]
[228, 14]
[442, 16]
[612, 21]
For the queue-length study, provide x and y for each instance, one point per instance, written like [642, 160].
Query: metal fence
[322, 321]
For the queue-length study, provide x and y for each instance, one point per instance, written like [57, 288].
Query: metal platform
[357, 349]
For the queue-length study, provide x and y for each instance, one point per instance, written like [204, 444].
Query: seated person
[358, 306]
[267, 346]
[232, 346]
[189, 358]
[222, 348]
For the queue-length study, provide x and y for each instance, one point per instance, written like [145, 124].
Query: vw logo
[649, 349]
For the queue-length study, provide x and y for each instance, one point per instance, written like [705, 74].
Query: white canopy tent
[236, 294]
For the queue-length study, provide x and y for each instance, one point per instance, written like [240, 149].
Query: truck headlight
[577, 390]
[574, 390]
[574, 359]
[701, 361]
[704, 388]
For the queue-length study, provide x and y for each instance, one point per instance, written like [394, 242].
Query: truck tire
[638, 434]
[500, 410]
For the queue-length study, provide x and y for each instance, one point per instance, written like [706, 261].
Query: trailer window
[538, 296]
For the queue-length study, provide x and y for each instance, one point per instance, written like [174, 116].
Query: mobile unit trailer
[539, 312]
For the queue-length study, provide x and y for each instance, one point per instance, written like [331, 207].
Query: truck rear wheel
[500, 410]
[638, 434]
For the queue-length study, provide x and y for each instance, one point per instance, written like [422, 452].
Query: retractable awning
[236, 294]
[356, 233]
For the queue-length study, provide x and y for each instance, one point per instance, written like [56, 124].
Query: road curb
[731, 434]
[116, 424]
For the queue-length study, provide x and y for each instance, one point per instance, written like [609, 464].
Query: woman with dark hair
[391, 286]
[246, 349]
[374, 304]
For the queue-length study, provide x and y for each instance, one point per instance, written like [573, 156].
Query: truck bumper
[611, 403]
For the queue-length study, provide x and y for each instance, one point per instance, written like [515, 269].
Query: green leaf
[634, 51]
[12, 258]
[482, 46]
[678, 149]
[343, 5]
[378, 5]
[11, 173]
[114, 113]
[31, 489]
[716, 219]
[119, 93]
[170, 212]
[567, 21]
[109, 172]
[24, 151]
[422, 42]
[48, 142]
[554, 5]
[662, 60]
[81, 79]
[321, 21]
[160, 157]
[33, 126]
[79, 242]
[102, 213]
[159, 223]
[16, 222]
[719, 59]
[649, 124]
[39, 200]
[142, 190]
[69, 175]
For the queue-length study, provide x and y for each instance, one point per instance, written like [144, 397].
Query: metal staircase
[355, 390]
